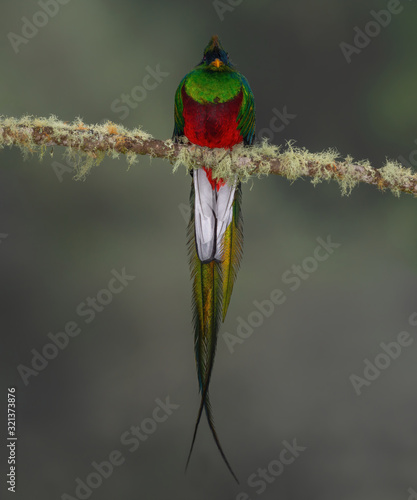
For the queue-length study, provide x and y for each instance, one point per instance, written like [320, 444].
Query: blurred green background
[291, 378]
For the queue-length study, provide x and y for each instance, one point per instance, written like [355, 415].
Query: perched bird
[214, 107]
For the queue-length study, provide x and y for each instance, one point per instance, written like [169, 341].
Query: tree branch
[91, 143]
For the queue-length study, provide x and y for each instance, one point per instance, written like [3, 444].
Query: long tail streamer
[212, 288]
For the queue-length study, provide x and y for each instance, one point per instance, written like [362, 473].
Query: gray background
[290, 379]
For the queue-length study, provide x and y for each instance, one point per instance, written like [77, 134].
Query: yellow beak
[217, 63]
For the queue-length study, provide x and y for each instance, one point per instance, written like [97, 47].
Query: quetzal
[214, 107]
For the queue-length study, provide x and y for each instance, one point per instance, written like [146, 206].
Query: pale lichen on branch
[91, 143]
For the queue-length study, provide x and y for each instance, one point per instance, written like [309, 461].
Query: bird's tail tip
[206, 406]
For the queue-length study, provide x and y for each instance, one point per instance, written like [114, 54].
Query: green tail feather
[232, 250]
[207, 313]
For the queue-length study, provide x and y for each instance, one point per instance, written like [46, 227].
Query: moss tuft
[395, 174]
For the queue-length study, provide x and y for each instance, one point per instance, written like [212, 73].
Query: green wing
[246, 116]
[178, 112]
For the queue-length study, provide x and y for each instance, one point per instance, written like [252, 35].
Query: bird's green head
[215, 58]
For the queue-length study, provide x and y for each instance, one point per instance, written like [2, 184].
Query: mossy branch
[91, 143]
